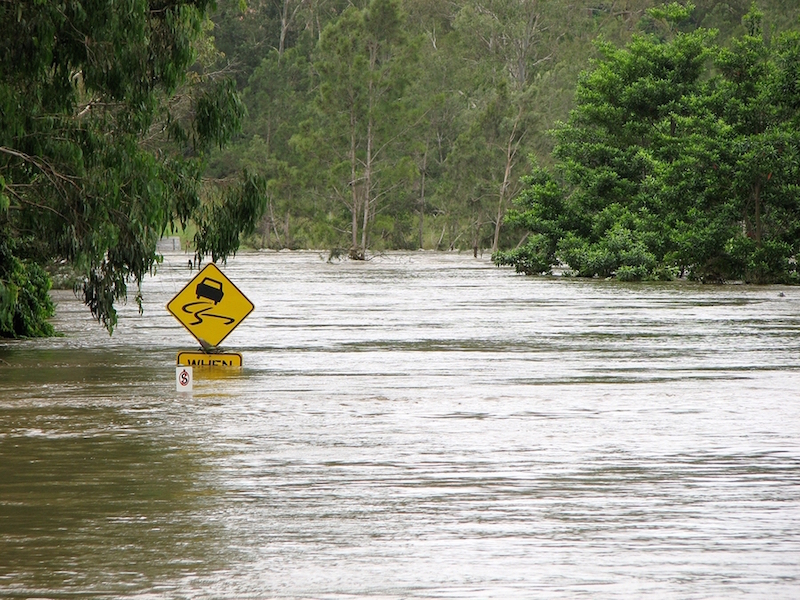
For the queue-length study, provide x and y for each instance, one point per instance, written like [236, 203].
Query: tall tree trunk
[274, 226]
[353, 188]
[284, 27]
[511, 154]
[286, 21]
[367, 185]
[422, 196]
[757, 199]
[476, 236]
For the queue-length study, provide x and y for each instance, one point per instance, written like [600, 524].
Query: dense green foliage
[102, 145]
[360, 125]
[24, 303]
[400, 123]
[415, 133]
[681, 155]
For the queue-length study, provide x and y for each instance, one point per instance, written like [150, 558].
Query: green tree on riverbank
[103, 138]
[680, 156]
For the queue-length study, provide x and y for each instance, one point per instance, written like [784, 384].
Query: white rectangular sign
[183, 379]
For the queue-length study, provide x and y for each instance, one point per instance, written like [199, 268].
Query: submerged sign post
[210, 307]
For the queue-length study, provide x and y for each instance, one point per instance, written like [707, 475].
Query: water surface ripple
[416, 426]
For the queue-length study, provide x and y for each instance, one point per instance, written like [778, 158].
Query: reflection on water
[417, 426]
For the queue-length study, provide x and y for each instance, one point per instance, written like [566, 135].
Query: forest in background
[405, 124]
[620, 138]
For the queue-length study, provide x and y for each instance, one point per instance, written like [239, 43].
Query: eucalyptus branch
[23, 200]
[48, 170]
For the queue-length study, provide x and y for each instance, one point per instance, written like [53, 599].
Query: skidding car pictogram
[210, 289]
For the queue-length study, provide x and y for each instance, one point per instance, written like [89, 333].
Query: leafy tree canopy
[680, 156]
[102, 144]
[406, 124]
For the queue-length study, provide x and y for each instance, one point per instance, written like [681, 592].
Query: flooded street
[417, 426]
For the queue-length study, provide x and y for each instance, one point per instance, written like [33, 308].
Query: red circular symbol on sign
[184, 378]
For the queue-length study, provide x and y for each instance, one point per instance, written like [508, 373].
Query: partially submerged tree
[363, 67]
[102, 145]
[665, 168]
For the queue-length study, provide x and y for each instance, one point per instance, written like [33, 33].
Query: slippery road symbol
[200, 310]
[211, 290]
[210, 306]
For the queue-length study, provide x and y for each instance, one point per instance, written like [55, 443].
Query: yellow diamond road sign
[210, 306]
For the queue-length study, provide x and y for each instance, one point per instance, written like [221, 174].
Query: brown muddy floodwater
[417, 426]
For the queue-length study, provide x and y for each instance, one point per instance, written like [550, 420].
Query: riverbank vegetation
[404, 124]
[680, 156]
[107, 115]
[638, 143]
